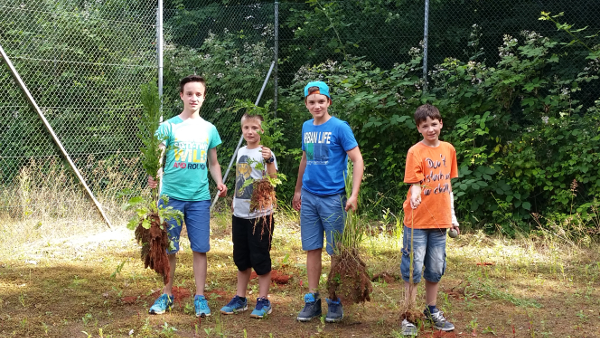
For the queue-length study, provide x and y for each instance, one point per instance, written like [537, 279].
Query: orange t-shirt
[433, 167]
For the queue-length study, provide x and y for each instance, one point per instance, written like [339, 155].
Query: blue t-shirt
[326, 159]
[186, 165]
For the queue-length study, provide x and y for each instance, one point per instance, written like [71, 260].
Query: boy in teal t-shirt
[191, 153]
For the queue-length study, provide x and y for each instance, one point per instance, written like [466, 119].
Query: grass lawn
[72, 283]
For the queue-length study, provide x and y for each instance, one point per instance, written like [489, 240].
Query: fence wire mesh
[83, 61]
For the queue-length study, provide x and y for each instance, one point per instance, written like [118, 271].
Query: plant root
[348, 277]
[154, 242]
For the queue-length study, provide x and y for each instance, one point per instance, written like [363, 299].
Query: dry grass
[61, 286]
[62, 273]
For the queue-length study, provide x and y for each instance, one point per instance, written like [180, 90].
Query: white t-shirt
[243, 172]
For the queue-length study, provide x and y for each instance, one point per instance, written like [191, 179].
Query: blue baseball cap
[323, 88]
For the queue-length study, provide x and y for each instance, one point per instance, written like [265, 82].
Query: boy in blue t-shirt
[185, 182]
[251, 231]
[320, 193]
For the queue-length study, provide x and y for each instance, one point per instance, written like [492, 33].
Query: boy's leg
[311, 231]
[197, 220]
[333, 217]
[415, 241]
[165, 301]
[260, 237]
[435, 266]
[241, 258]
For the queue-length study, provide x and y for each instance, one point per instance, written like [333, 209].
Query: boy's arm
[358, 168]
[415, 195]
[297, 202]
[215, 171]
[270, 167]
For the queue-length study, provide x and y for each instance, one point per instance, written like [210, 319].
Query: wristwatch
[271, 160]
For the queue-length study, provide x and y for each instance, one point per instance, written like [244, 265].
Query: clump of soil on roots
[348, 277]
[154, 242]
[263, 198]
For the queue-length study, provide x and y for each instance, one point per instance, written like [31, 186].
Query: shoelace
[234, 301]
[260, 303]
[202, 303]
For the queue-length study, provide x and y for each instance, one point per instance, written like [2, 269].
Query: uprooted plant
[348, 276]
[263, 196]
[150, 220]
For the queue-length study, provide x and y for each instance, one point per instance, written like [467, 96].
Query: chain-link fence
[83, 61]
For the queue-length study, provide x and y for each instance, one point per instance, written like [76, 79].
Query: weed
[488, 330]
[167, 330]
[86, 318]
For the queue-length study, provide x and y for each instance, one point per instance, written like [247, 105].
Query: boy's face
[317, 105]
[430, 129]
[192, 96]
[250, 129]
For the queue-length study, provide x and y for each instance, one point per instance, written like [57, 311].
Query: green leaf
[526, 205]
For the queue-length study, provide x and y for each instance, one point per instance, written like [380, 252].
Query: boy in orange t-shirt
[428, 213]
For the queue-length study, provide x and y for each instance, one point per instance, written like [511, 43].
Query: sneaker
[263, 307]
[201, 306]
[312, 307]
[409, 329]
[335, 312]
[438, 320]
[235, 305]
[161, 305]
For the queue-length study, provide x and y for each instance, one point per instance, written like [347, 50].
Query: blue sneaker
[161, 305]
[263, 307]
[235, 305]
[201, 306]
[312, 307]
[335, 312]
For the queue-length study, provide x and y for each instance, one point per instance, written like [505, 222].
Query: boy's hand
[352, 203]
[266, 153]
[222, 189]
[151, 182]
[297, 201]
[455, 227]
[415, 195]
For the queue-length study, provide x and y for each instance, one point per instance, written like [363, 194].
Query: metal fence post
[276, 57]
[425, 45]
[18, 79]
[242, 137]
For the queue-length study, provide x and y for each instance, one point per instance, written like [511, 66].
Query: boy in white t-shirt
[251, 232]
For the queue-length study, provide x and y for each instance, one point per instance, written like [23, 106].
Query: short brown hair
[191, 78]
[315, 89]
[425, 111]
[256, 116]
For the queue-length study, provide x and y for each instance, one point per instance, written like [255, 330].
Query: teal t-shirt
[185, 174]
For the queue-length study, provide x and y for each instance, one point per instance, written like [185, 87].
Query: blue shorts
[197, 221]
[321, 214]
[429, 247]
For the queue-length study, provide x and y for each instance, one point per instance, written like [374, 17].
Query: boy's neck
[432, 144]
[189, 114]
[252, 145]
[322, 119]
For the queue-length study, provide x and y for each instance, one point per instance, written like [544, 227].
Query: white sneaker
[409, 329]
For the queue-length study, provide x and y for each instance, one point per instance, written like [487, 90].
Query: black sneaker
[438, 320]
[335, 312]
[312, 307]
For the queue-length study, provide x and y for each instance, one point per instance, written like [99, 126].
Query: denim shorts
[197, 221]
[429, 247]
[318, 215]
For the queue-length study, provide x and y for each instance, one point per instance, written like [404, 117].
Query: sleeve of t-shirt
[347, 138]
[454, 169]
[215, 139]
[413, 173]
[164, 132]
[303, 147]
